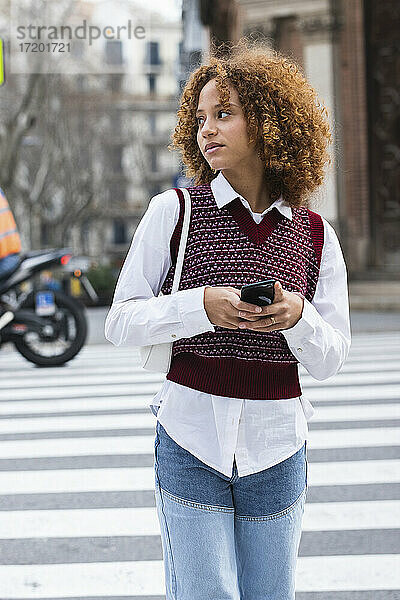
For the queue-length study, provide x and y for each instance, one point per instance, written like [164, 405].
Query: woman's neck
[251, 186]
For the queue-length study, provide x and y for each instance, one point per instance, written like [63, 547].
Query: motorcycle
[47, 327]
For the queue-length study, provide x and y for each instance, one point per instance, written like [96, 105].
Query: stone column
[318, 56]
[350, 80]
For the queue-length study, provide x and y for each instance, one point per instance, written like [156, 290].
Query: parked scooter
[47, 327]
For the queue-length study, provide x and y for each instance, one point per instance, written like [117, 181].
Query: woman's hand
[286, 311]
[223, 304]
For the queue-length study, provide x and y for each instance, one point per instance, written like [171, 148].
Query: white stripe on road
[351, 379]
[77, 480]
[370, 392]
[114, 402]
[85, 446]
[385, 362]
[131, 389]
[142, 478]
[138, 420]
[335, 573]
[143, 444]
[321, 439]
[357, 412]
[110, 522]
[76, 423]
[81, 379]
[96, 522]
[367, 339]
[51, 385]
[340, 516]
[348, 573]
[81, 580]
[74, 405]
[137, 399]
[138, 393]
[132, 364]
[387, 349]
[124, 373]
[354, 472]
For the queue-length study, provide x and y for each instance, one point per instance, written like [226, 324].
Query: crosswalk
[77, 508]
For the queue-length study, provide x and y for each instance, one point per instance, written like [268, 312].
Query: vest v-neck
[256, 232]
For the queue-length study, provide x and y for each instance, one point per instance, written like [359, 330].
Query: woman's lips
[210, 150]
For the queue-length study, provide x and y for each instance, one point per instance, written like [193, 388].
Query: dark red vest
[226, 247]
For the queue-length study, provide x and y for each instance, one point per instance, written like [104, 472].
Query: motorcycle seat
[7, 274]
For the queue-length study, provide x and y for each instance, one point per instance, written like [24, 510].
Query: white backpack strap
[183, 240]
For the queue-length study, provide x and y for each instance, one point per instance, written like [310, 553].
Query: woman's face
[227, 128]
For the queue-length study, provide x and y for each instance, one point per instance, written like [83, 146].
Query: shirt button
[173, 335]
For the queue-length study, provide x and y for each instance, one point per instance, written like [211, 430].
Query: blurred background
[82, 154]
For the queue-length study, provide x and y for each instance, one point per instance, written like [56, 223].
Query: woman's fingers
[262, 324]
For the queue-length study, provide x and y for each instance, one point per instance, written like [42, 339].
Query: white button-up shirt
[215, 429]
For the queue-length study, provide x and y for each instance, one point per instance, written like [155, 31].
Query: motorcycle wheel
[42, 352]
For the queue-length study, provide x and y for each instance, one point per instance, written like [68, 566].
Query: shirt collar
[224, 193]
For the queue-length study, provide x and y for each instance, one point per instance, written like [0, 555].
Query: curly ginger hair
[283, 114]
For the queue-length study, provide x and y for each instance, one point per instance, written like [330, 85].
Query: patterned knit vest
[225, 247]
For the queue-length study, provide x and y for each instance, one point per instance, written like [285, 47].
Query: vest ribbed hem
[253, 379]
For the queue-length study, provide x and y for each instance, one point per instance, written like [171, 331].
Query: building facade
[118, 101]
[347, 49]
[139, 112]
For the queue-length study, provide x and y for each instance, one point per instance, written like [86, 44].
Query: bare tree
[60, 180]
[53, 162]
[14, 127]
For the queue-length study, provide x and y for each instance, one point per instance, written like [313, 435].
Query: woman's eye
[198, 119]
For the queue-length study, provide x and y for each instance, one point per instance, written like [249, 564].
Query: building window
[117, 192]
[152, 123]
[120, 236]
[153, 54]
[44, 234]
[180, 51]
[114, 52]
[115, 123]
[77, 48]
[152, 83]
[114, 157]
[115, 82]
[81, 82]
[153, 160]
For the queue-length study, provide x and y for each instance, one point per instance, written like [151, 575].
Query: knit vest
[225, 247]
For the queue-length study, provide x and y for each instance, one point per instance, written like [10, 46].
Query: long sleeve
[138, 316]
[321, 339]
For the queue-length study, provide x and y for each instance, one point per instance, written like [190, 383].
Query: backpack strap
[176, 236]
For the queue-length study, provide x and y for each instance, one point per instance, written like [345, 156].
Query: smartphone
[260, 293]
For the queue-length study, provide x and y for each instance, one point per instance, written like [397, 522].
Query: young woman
[230, 446]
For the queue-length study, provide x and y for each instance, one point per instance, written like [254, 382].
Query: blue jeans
[227, 538]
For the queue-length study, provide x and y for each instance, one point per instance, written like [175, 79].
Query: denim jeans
[227, 538]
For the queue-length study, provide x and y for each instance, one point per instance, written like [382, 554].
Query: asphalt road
[77, 506]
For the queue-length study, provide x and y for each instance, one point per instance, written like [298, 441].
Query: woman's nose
[208, 127]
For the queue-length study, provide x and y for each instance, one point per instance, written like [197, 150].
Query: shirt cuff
[192, 312]
[303, 331]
